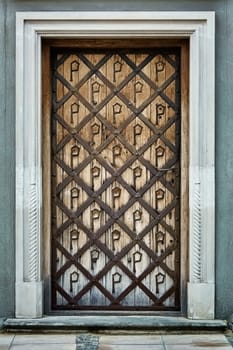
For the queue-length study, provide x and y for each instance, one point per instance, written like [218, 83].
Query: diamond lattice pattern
[115, 179]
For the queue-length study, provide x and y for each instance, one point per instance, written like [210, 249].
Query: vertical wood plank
[106, 117]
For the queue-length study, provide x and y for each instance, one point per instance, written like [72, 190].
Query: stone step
[113, 323]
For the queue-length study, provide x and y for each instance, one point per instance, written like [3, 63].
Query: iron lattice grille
[116, 179]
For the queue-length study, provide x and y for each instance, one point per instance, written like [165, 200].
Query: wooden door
[116, 179]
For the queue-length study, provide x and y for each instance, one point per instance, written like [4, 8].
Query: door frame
[31, 28]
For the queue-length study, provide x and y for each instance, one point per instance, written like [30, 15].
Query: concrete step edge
[111, 323]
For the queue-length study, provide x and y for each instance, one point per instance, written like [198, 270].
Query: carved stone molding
[32, 250]
[197, 235]
[31, 27]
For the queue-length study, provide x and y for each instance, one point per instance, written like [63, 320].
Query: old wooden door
[116, 179]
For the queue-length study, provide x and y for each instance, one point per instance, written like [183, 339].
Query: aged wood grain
[116, 163]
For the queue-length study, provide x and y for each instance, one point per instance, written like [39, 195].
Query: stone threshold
[111, 324]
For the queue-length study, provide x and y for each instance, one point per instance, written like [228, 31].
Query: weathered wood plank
[110, 185]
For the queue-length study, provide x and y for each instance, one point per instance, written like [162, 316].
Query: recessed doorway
[115, 132]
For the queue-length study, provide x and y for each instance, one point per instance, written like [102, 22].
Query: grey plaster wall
[224, 162]
[224, 129]
[6, 176]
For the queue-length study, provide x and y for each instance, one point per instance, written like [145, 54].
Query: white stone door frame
[31, 28]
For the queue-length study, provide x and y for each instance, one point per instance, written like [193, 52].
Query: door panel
[116, 179]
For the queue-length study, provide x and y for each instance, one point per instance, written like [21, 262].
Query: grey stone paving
[113, 342]
[230, 339]
[89, 342]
